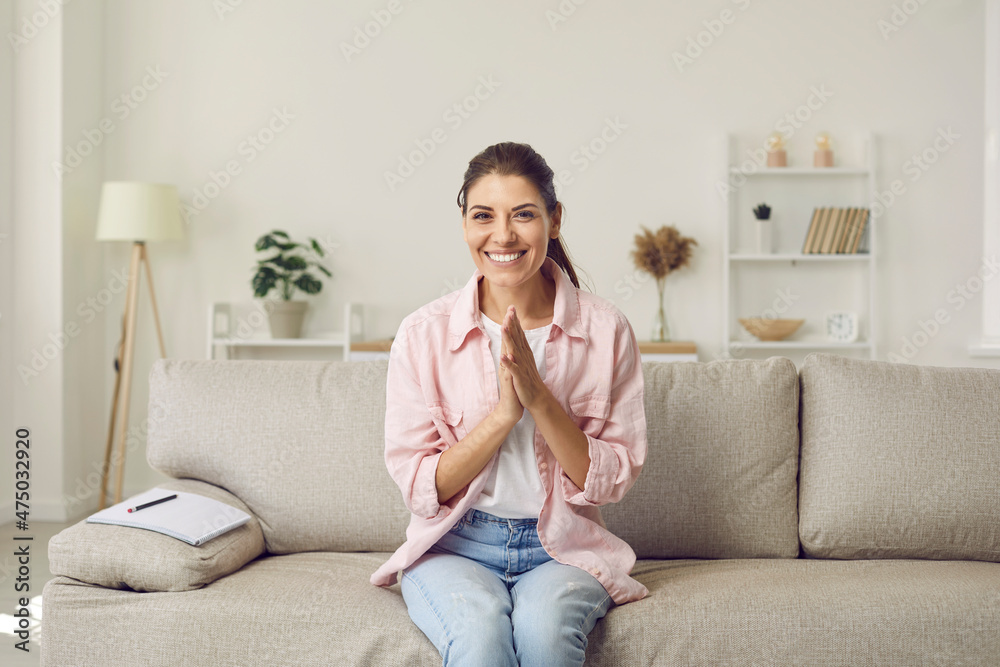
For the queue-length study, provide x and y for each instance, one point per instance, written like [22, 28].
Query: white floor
[38, 575]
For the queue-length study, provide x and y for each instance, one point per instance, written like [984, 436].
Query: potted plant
[658, 255]
[286, 270]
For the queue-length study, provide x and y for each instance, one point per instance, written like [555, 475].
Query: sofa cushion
[319, 609]
[719, 478]
[300, 442]
[293, 610]
[805, 612]
[144, 560]
[899, 461]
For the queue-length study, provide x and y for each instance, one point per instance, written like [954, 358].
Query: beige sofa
[844, 514]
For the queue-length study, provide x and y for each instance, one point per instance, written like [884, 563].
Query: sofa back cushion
[720, 474]
[899, 461]
[300, 442]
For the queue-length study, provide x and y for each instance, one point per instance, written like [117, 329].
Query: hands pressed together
[520, 384]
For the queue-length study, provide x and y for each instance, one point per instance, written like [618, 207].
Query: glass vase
[661, 330]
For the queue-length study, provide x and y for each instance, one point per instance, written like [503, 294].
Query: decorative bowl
[770, 329]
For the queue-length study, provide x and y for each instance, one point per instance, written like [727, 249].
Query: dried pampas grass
[663, 252]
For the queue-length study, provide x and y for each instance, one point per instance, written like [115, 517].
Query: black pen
[150, 504]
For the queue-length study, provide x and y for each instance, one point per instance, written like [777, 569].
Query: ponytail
[558, 254]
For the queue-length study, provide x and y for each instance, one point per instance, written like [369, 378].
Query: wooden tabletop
[372, 345]
[670, 347]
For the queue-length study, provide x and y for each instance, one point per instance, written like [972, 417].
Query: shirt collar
[565, 313]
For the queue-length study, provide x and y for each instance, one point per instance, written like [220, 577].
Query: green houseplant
[286, 269]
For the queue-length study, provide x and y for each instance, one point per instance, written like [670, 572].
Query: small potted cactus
[763, 214]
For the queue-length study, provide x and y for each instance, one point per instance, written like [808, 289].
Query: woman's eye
[526, 215]
[480, 216]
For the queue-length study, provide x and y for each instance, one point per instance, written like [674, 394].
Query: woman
[514, 408]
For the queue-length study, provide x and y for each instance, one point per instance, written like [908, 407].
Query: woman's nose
[504, 231]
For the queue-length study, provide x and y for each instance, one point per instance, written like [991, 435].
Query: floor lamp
[136, 212]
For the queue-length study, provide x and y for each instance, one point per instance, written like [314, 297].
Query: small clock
[842, 327]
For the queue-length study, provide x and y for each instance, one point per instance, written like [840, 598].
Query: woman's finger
[516, 341]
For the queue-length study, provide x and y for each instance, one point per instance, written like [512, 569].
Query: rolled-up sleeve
[413, 444]
[618, 452]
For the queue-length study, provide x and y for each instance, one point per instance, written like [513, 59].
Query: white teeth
[505, 258]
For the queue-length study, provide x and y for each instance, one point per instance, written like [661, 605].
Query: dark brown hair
[513, 159]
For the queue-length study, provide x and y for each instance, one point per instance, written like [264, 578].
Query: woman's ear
[556, 219]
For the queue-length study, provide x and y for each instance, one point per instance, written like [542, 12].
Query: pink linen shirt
[441, 383]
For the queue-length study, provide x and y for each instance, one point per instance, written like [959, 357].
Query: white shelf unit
[787, 282]
[235, 326]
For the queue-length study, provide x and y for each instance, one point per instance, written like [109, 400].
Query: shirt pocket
[449, 422]
[591, 413]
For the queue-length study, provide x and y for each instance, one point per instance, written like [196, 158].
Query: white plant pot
[764, 240]
[285, 319]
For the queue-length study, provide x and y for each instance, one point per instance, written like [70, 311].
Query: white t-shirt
[514, 489]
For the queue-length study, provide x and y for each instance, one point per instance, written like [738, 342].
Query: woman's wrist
[502, 422]
[545, 400]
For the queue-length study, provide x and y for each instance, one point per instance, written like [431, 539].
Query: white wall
[37, 246]
[209, 80]
[7, 424]
[86, 358]
[52, 358]
[323, 175]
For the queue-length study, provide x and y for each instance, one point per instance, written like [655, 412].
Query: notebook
[190, 517]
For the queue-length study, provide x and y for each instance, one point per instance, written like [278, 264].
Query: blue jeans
[488, 594]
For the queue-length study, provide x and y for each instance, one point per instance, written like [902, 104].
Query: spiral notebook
[190, 517]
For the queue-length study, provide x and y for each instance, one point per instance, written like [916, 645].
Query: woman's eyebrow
[516, 208]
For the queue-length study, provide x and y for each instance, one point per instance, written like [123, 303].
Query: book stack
[835, 230]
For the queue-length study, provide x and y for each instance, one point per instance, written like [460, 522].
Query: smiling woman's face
[508, 229]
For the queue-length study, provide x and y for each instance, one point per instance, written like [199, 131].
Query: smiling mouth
[507, 257]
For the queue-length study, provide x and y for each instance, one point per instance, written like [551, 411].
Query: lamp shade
[133, 211]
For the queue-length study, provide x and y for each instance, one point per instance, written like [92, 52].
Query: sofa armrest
[143, 560]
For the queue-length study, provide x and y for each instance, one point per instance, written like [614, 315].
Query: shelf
[802, 171]
[797, 257]
[776, 283]
[338, 341]
[235, 326]
[798, 344]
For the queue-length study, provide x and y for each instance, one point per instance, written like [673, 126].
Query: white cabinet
[785, 283]
[241, 331]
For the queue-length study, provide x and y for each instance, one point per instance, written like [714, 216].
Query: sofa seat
[806, 612]
[700, 612]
